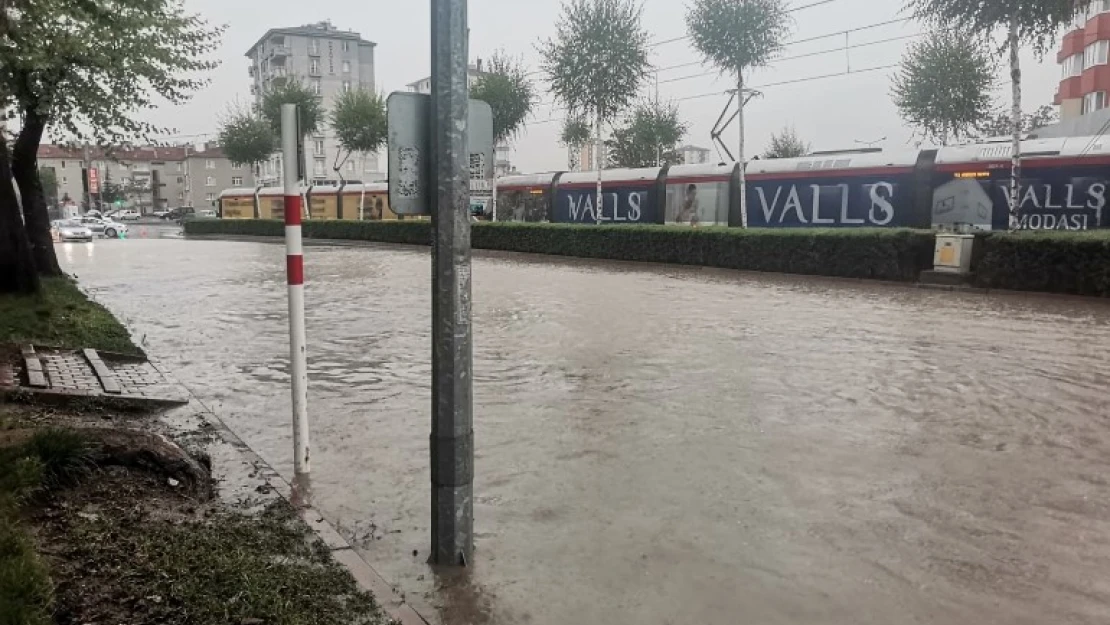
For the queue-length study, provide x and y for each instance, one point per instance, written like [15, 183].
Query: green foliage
[649, 137]
[945, 84]
[89, 68]
[858, 253]
[65, 456]
[599, 59]
[506, 88]
[246, 138]
[290, 91]
[1039, 21]
[49, 180]
[63, 316]
[226, 568]
[576, 131]
[999, 123]
[736, 35]
[359, 121]
[1075, 263]
[786, 144]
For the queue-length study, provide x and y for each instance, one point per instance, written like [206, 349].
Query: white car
[127, 214]
[106, 227]
[72, 230]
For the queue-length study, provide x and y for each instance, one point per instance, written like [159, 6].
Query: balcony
[280, 52]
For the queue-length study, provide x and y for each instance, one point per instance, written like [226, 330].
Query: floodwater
[660, 445]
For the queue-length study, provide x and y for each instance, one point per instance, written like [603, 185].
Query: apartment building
[209, 172]
[1084, 59]
[149, 177]
[330, 61]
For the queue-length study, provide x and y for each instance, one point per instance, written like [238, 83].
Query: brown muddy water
[659, 445]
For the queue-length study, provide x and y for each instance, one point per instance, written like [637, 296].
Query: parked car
[70, 230]
[180, 213]
[208, 214]
[106, 227]
[162, 213]
[127, 214]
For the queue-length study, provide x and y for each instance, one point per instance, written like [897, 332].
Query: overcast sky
[830, 113]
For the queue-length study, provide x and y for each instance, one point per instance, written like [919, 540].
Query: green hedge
[857, 253]
[1058, 262]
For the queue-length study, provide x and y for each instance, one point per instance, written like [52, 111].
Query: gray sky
[830, 113]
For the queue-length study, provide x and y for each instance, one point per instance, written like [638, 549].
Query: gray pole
[452, 439]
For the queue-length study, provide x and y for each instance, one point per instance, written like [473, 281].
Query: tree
[49, 180]
[507, 90]
[17, 262]
[786, 144]
[649, 138]
[735, 36]
[999, 122]
[575, 134]
[359, 121]
[1025, 22]
[597, 62]
[289, 91]
[944, 86]
[86, 69]
[246, 138]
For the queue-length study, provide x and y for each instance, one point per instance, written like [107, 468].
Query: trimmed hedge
[880, 254]
[1060, 262]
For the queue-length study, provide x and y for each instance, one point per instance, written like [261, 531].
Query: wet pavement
[661, 445]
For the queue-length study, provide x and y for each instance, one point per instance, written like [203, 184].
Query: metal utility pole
[452, 438]
[294, 252]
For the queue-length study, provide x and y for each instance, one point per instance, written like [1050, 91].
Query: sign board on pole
[409, 146]
[94, 181]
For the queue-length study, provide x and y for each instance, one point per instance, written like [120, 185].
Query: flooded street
[661, 445]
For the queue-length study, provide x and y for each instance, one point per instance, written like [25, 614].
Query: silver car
[108, 228]
[70, 231]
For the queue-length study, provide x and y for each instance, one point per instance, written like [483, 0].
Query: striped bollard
[294, 262]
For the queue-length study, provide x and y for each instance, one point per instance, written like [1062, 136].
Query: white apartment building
[330, 61]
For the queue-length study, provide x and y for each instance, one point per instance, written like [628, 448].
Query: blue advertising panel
[621, 205]
[1052, 198]
[847, 201]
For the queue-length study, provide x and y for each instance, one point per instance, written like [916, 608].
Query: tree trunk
[743, 163]
[1015, 122]
[25, 169]
[17, 264]
[598, 147]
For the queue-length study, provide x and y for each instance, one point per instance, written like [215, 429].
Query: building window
[1096, 53]
[179, 166]
[65, 180]
[317, 88]
[346, 67]
[210, 164]
[318, 146]
[1073, 66]
[210, 181]
[1094, 101]
[63, 164]
[346, 46]
[350, 166]
[346, 86]
[316, 46]
[210, 197]
[1096, 7]
[319, 167]
[180, 180]
[236, 181]
[315, 66]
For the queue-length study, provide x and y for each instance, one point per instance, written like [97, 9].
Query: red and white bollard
[294, 263]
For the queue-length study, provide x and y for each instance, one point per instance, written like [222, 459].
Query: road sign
[409, 146]
[94, 181]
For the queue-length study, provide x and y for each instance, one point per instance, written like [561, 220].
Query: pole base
[452, 525]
